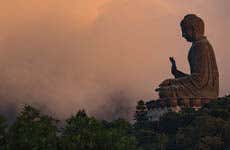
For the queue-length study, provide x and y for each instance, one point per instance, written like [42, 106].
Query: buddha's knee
[166, 94]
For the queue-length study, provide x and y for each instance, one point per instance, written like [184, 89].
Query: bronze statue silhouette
[203, 80]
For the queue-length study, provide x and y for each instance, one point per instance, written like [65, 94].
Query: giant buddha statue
[202, 83]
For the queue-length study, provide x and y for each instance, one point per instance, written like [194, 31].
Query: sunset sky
[101, 55]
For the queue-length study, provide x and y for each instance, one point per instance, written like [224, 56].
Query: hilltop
[205, 129]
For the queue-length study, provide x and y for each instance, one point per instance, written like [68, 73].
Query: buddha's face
[187, 33]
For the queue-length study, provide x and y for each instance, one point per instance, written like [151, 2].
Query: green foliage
[206, 129]
[219, 108]
[2, 132]
[143, 129]
[172, 121]
[210, 129]
[210, 143]
[32, 131]
[198, 133]
[83, 132]
[141, 112]
[162, 141]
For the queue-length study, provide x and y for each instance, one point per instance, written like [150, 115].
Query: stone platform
[156, 108]
[181, 102]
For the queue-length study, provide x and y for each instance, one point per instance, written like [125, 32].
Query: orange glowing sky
[70, 54]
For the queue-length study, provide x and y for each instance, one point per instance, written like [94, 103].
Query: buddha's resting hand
[166, 82]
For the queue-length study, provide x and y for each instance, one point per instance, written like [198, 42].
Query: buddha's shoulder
[201, 45]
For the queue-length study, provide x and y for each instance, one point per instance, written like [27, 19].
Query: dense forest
[206, 129]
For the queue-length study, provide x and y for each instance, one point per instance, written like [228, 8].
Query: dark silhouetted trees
[86, 133]
[206, 129]
[32, 130]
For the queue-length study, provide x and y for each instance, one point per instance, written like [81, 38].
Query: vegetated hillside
[206, 129]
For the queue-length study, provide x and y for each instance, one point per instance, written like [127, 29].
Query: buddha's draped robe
[203, 82]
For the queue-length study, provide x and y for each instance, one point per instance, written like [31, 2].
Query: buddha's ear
[193, 29]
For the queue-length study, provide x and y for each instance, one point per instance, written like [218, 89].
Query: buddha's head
[192, 27]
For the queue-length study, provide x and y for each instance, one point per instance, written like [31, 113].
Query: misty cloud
[102, 55]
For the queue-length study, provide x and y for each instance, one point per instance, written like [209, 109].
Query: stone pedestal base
[172, 102]
[178, 102]
[176, 108]
[157, 108]
[195, 102]
[205, 101]
[184, 102]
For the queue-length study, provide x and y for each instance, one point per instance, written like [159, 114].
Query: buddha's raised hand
[174, 67]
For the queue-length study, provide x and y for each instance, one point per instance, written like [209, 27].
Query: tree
[210, 143]
[141, 113]
[32, 130]
[3, 127]
[198, 134]
[83, 132]
[162, 141]
[143, 128]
